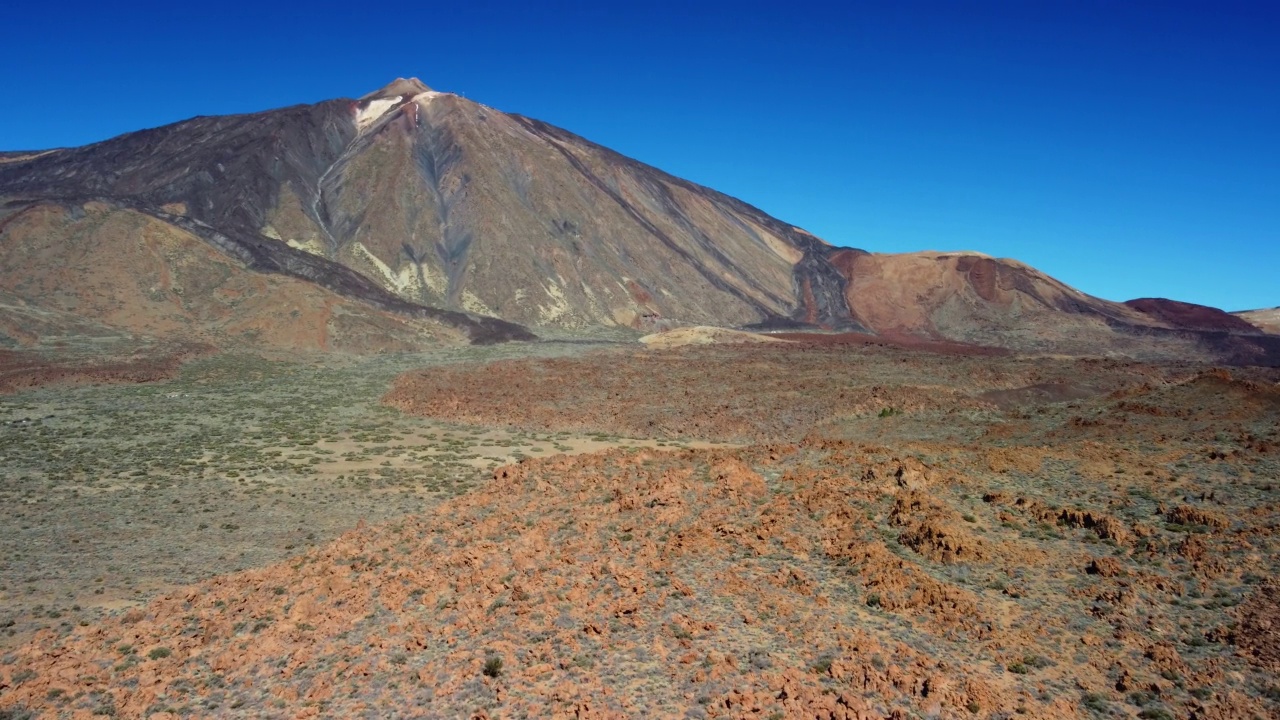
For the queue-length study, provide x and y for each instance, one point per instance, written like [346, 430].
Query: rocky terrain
[110, 489]
[403, 406]
[899, 532]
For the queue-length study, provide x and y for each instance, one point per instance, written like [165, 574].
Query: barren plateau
[821, 527]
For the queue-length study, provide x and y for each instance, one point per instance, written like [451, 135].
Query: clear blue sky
[1128, 148]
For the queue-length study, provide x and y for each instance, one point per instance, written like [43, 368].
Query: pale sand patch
[1265, 320]
[315, 247]
[404, 281]
[376, 109]
[481, 449]
[24, 158]
[703, 335]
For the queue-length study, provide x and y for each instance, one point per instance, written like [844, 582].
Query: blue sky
[1128, 148]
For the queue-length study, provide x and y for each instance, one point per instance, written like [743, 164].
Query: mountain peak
[399, 88]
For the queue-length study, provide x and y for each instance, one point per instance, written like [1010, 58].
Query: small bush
[1038, 662]
[159, 653]
[1141, 697]
[1095, 702]
[493, 667]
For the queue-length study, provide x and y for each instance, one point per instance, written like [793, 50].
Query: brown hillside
[129, 271]
[1191, 316]
[1265, 320]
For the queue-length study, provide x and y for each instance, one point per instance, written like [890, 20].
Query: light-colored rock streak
[315, 247]
[376, 109]
[404, 280]
[426, 97]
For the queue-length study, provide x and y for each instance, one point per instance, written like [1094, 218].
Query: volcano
[411, 216]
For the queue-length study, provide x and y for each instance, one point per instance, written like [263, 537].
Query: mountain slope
[1265, 320]
[446, 203]
[125, 270]
[970, 297]
[444, 211]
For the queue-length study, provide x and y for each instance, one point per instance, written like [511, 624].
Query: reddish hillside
[1190, 316]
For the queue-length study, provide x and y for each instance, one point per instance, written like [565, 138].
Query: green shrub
[1095, 702]
[493, 667]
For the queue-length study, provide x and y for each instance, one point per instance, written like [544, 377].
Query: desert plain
[712, 526]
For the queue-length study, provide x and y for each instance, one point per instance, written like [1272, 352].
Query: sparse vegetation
[493, 667]
[736, 566]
